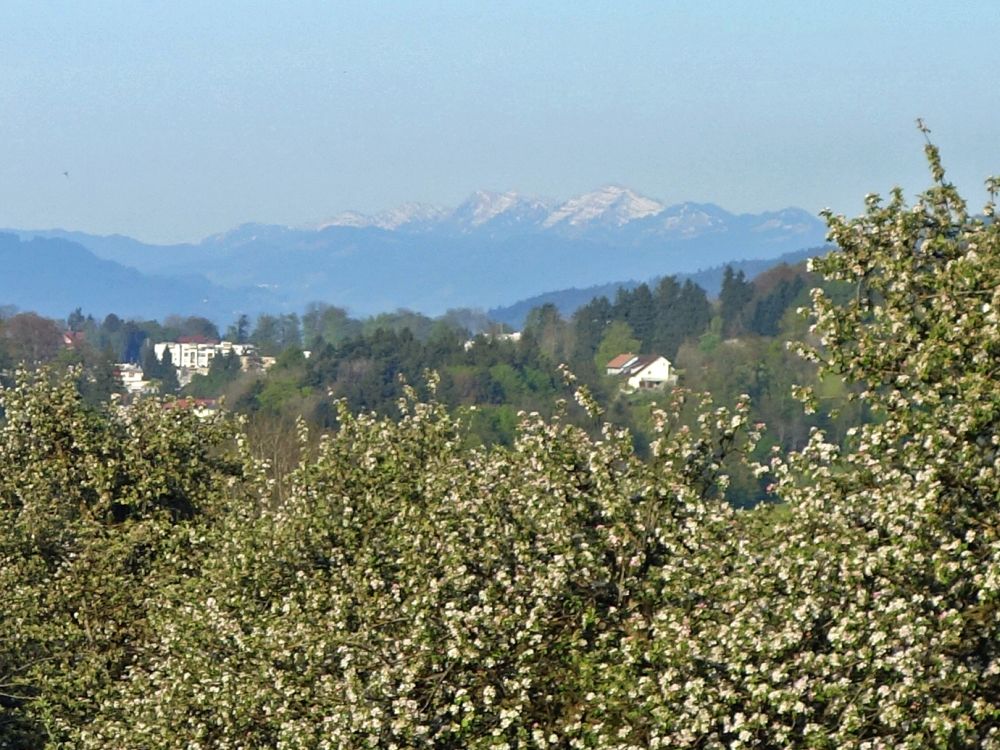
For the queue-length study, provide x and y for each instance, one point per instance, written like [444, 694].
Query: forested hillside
[730, 346]
[568, 301]
[403, 585]
[733, 346]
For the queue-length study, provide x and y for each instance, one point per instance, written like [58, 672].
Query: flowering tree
[866, 616]
[100, 512]
[561, 593]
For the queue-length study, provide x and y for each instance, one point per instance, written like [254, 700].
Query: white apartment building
[132, 379]
[198, 355]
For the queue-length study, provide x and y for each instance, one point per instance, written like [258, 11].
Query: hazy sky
[183, 118]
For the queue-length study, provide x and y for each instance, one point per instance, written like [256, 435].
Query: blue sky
[179, 119]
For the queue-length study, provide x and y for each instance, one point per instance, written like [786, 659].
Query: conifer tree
[735, 295]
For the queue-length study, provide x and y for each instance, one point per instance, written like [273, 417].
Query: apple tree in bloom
[101, 513]
[409, 591]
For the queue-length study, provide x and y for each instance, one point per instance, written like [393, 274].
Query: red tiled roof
[620, 361]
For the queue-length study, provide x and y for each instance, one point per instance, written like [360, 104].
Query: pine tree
[735, 296]
[168, 374]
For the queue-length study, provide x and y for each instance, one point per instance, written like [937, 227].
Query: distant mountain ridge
[493, 248]
[609, 207]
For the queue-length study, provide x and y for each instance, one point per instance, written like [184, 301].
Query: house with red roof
[620, 364]
[642, 371]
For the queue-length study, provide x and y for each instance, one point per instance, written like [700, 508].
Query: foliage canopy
[412, 592]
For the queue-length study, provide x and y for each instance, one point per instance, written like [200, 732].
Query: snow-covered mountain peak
[613, 205]
[395, 218]
[346, 219]
[495, 214]
[409, 213]
[789, 220]
[688, 219]
[484, 206]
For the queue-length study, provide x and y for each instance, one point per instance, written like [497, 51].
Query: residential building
[132, 379]
[642, 372]
[203, 408]
[653, 371]
[194, 354]
[513, 336]
[620, 364]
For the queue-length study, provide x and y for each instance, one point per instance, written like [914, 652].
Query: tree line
[730, 346]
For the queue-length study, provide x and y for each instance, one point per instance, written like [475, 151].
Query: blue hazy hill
[54, 276]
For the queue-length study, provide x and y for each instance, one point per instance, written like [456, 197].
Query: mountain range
[490, 250]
